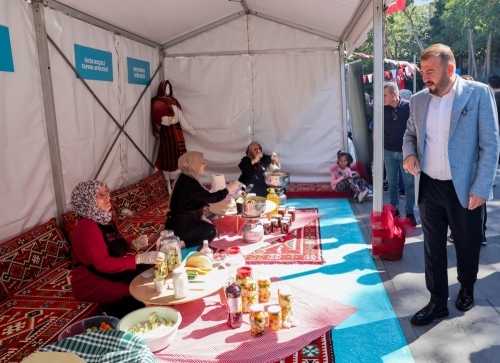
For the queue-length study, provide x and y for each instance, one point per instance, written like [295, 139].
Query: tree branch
[417, 39]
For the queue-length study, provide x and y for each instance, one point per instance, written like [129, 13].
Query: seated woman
[253, 166]
[102, 269]
[188, 200]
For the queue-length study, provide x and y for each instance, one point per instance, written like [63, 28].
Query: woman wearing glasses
[188, 200]
[102, 269]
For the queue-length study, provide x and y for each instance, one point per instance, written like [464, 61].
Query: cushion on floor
[24, 258]
[155, 186]
[70, 219]
[132, 197]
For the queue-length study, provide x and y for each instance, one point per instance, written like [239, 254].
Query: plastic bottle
[181, 283]
[234, 314]
[207, 250]
[273, 197]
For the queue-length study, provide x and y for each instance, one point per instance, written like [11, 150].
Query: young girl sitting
[342, 177]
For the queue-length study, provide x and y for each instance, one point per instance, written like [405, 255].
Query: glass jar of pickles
[243, 274]
[249, 295]
[285, 225]
[275, 317]
[264, 283]
[257, 320]
[286, 302]
[170, 245]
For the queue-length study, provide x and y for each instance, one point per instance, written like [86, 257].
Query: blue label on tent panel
[138, 71]
[93, 63]
[6, 61]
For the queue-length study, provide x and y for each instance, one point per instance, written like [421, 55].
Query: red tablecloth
[204, 336]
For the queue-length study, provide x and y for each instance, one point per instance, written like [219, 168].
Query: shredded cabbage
[153, 326]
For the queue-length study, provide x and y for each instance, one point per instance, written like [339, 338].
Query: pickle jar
[257, 320]
[264, 284]
[171, 247]
[249, 292]
[285, 225]
[292, 211]
[161, 269]
[275, 317]
[289, 216]
[286, 303]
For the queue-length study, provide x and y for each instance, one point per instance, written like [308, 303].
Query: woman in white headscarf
[102, 269]
[188, 200]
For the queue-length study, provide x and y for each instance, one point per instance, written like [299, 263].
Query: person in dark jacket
[253, 167]
[188, 200]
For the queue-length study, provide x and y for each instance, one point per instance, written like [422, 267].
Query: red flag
[399, 5]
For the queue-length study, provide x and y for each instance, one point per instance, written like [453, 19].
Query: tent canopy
[166, 22]
[270, 71]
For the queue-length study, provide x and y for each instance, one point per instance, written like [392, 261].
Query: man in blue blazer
[451, 147]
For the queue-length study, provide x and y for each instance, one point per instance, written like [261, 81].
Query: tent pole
[378, 97]
[48, 105]
[342, 56]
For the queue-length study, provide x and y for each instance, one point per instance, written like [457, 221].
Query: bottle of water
[207, 250]
[234, 259]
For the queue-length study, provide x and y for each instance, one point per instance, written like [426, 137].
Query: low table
[220, 209]
[143, 289]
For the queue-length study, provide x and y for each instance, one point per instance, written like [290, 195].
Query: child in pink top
[342, 177]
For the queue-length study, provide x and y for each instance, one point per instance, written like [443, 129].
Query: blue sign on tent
[138, 71]
[94, 63]
[6, 61]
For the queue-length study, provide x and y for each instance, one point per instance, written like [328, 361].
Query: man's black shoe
[413, 221]
[465, 299]
[430, 312]
[401, 193]
[397, 214]
[450, 238]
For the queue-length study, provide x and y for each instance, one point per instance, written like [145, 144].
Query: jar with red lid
[243, 274]
[234, 259]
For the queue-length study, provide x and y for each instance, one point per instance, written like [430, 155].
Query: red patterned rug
[301, 246]
[318, 351]
[149, 225]
[313, 190]
[26, 325]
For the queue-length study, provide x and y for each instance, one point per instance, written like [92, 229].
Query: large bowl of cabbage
[156, 325]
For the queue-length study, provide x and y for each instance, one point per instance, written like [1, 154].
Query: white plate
[147, 274]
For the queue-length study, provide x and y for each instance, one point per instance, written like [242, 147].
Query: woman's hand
[257, 157]
[150, 258]
[140, 242]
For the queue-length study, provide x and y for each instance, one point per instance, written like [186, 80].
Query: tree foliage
[448, 22]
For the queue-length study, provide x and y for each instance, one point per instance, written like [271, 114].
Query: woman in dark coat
[188, 200]
[253, 167]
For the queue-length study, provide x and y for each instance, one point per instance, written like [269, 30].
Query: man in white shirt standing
[451, 147]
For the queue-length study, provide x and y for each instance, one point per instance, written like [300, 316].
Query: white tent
[270, 71]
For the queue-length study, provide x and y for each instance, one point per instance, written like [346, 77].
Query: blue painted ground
[349, 275]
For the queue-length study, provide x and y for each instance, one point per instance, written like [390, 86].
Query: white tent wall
[139, 127]
[86, 131]
[288, 99]
[26, 191]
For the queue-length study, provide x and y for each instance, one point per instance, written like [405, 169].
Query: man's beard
[441, 85]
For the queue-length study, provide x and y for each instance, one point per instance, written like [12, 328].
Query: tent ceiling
[163, 21]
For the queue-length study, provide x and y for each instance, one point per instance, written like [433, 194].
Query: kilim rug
[150, 225]
[314, 190]
[318, 351]
[301, 246]
[26, 325]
